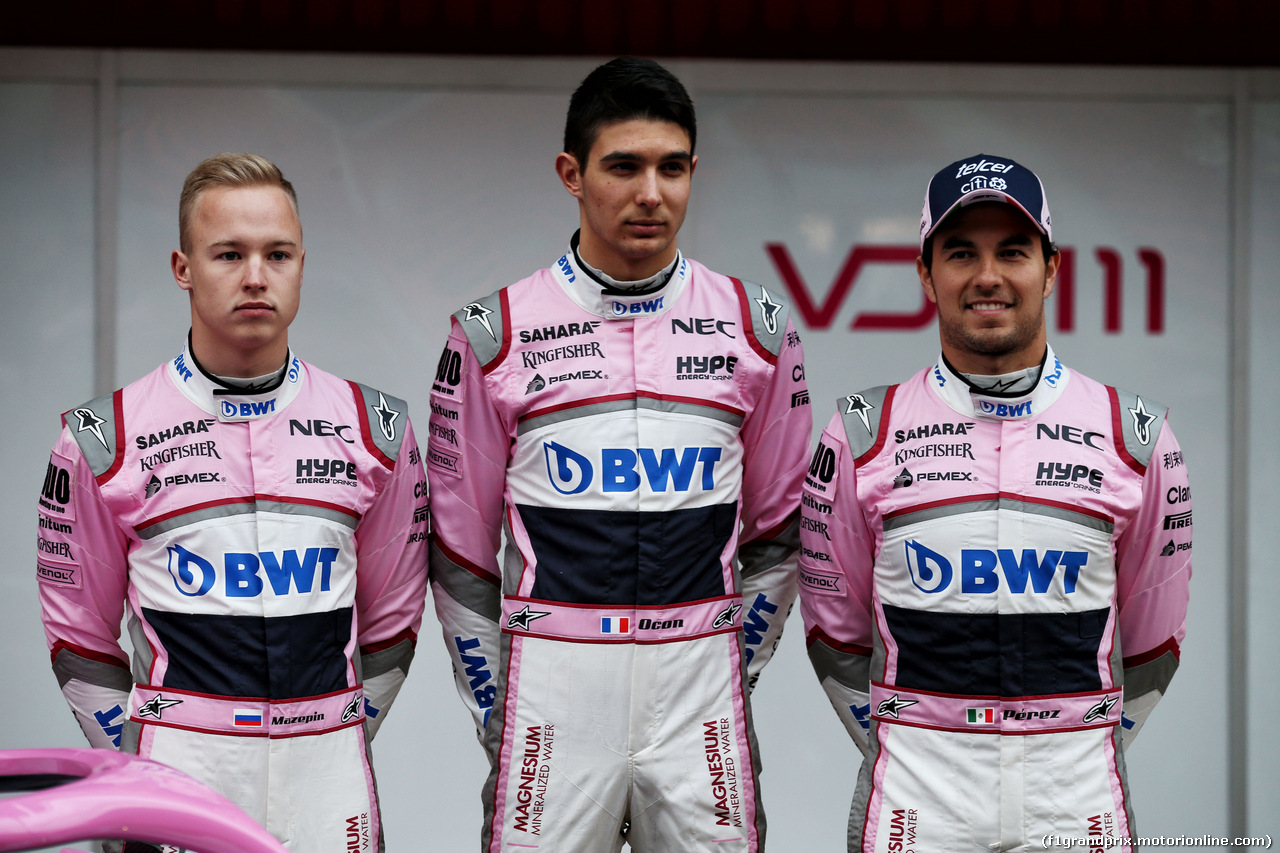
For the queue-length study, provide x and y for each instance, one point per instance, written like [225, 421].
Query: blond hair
[227, 170]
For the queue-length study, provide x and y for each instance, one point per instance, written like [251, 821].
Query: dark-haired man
[638, 426]
[996, 557]
[266, 523]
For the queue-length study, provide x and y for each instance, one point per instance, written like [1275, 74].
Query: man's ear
[570, 173]
[1051, 273]
[926, 279]
[181, 267]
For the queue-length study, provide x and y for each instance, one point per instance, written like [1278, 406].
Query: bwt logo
[621, 468]
[932, 572]
[645, 306]
[566, 268]
[1005, 410]
[247, 410]
[821, 315]
[288, 570]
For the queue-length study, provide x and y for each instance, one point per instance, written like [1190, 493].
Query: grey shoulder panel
[769, 314]
[386, 416]
[1140, 423]
[93, 426]
[69, 666]
[399, 656]
[861, 414]
[850, 670]
[1152, 675]
[484, 324]
[472, 592]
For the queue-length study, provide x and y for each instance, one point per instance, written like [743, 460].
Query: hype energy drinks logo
[623, 469]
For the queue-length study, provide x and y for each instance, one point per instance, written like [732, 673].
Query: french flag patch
[615, 624]
[247, 719]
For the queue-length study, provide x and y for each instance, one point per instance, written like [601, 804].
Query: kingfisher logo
[981, 569]
[622, 469]
[286, 572]
[644, 306]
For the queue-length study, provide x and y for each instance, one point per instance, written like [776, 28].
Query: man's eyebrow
[234, 241]
[616, 156]
[955, 241]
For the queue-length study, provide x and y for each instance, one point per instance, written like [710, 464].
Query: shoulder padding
[1140, 423]
[769, 314]
[484, 322]
[93, 426]
[861, 414]
[385, 417]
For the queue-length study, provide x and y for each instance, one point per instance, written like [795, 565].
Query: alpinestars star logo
[90, 421]
[476, 311]
[891, 706]
[353, 708]
[727, 616]
[769, 312]
[523, 618]
[155, 706]
[1100, 711]
[386, 417]
[1142, 423]
[856, 404]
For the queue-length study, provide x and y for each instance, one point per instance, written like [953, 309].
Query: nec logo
[932, 572]
[321, 428]
[644, 306]
[703, 326]
[1074, 435]
[242, 573]
[623, 469]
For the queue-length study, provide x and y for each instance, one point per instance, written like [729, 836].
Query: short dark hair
[1047, 246]
[622, 89]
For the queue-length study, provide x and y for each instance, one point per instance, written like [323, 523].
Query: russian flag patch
[615, 624]
[981, 716]
[244, 718]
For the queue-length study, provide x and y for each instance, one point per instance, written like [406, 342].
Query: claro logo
[981, 569]
[821, 315]
[622, 469]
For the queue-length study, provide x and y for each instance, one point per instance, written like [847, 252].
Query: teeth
[987, 306]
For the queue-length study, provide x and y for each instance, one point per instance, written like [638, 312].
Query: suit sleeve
[467, 455]
[836, 572]
[82, 570]
[391, 586]
[775, 440]
[1153, 564]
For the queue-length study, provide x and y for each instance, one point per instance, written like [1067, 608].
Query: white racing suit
[994, 591]
[271, 547]
[644, 454]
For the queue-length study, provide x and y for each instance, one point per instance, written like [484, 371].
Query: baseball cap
[984, 177]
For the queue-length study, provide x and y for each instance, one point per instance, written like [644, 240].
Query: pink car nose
[82, 794]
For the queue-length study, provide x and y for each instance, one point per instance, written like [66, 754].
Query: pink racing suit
[271, 547]
[643, 454]
[994, 591]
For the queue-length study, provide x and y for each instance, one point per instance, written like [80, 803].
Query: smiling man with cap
[995, 555]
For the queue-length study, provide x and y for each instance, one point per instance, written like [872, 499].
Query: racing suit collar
[231, 404]
[974, 402]
[614, 300]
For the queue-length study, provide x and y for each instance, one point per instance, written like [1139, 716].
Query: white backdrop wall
[427, 182]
